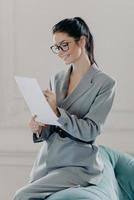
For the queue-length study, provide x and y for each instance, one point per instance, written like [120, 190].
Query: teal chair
[117, 182]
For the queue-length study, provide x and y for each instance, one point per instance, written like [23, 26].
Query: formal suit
[72, 159]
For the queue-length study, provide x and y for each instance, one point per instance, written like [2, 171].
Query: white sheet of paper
[36, 101]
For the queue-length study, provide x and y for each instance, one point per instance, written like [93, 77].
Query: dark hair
[76, 27]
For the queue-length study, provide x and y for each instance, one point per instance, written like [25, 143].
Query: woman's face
[68, 49]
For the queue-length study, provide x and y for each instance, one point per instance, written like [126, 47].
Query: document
[36, 101]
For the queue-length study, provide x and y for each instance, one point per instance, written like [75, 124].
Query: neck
[81, 66]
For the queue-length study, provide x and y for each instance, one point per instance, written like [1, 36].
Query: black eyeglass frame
[60, 47]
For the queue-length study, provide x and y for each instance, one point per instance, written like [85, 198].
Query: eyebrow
[61, 42]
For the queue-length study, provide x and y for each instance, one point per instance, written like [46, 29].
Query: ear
[82, 41]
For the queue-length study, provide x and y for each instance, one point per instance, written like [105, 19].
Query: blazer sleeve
[90, 126]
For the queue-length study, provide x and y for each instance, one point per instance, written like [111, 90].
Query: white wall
[25, 37]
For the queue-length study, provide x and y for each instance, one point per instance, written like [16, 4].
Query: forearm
[82, 129]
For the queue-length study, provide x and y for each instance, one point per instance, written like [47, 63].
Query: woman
[83, 98]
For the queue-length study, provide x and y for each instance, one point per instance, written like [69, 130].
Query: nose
[61, 53]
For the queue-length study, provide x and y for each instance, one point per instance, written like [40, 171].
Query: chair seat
[117, 182]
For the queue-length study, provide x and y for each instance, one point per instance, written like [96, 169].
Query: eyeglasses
[64, 46]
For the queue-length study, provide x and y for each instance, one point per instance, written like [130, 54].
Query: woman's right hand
[36, 126]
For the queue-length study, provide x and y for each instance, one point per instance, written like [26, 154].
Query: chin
[68, 62]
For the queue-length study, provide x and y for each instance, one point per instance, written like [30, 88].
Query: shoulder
[57, 77]
[104, 80]
[60, 74]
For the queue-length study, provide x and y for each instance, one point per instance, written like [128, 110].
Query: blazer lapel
[84, 84]
[61, 85]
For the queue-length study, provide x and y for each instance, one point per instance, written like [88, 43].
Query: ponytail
[89, 38]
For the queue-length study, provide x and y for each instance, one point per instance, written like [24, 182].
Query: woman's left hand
[51, 99]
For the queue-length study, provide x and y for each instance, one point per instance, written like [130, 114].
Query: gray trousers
[54, 181]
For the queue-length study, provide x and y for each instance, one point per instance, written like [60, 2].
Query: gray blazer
[83, 114]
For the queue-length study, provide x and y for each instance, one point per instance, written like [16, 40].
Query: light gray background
[25, 37]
